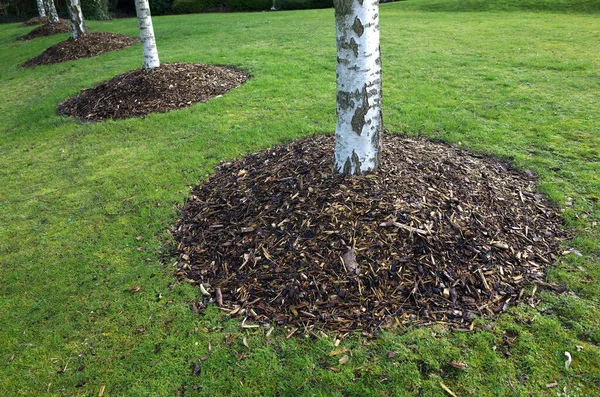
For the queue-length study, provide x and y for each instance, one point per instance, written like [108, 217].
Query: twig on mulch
[436, 235]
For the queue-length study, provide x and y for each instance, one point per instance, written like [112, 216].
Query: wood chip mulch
[35, 21]
[90, 45]
[48, 29]
[141, 92]
[437, 235]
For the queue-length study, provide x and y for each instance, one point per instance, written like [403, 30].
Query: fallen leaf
[135, 289]
[344, 359]
[245, 342]
[552, 384]
[392, 354]
[350, 262]
[569, 360]
[203, 290]
[459, 365]
[197, 369]
[101, 392]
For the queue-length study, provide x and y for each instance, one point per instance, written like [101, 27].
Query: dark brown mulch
[48, 29]
[36, 21]
[141, 92]
[436, 235]
[90, 45]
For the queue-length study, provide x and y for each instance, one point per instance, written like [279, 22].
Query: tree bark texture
[77, 22]
[144, 18]
[359, 126]
[51, 11]
[41, 9]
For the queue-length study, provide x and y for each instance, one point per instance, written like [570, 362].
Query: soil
[140, 92]
[90, 45]
[49, 29]
[437, 235]
[36, 21]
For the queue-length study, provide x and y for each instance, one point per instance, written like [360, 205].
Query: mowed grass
[85, 208]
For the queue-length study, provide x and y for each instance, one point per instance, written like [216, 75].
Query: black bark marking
[358, 27]
[376, 141]
[344, 100]
[358, 120]
[352, 165]
[342, 7]
[354, 46]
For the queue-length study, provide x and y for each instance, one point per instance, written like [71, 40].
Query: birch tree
[77, 22]
[41, 9]
[359, 128]
[51, 11]
[144, 18]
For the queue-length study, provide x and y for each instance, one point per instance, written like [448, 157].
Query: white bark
[51, 11]
[142, 9]
[41, 9]
[359, 126]
[77, 22]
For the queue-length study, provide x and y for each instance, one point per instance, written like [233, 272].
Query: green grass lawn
[85, 208]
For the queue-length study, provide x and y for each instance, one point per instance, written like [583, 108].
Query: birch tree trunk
[41, 9]
[77, 22]
[142, 9]
[359, 128]
[51, 11]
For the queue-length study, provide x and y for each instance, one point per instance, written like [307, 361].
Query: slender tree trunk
[41, 9]
[77, 22]
[142, 9]
[51, 11]
[359, 127]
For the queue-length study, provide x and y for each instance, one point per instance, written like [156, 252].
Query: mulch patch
[141, 92]
[437, 235]
[48, 29]
[90, 45]
[36, 21]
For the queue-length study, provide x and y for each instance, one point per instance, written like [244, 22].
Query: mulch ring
[35, 21]
[437, 235]
[48, 29]
[141, 92]
[90, 45]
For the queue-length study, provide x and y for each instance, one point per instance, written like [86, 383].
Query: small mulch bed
[141, 92]
[437, 235]
[90, 45]
[48, 29]
[36, 21]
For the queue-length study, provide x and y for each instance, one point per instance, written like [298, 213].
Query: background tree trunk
[142, 9]
[41, 9]
[77, 22]
[51, 11]
[359, 126]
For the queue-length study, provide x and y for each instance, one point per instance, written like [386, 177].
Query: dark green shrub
[293, 4]
[302, 4]
[322, 3]
[94, 9]
[250, 5]
[159, 7]
[195, 6]
[187, 6]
